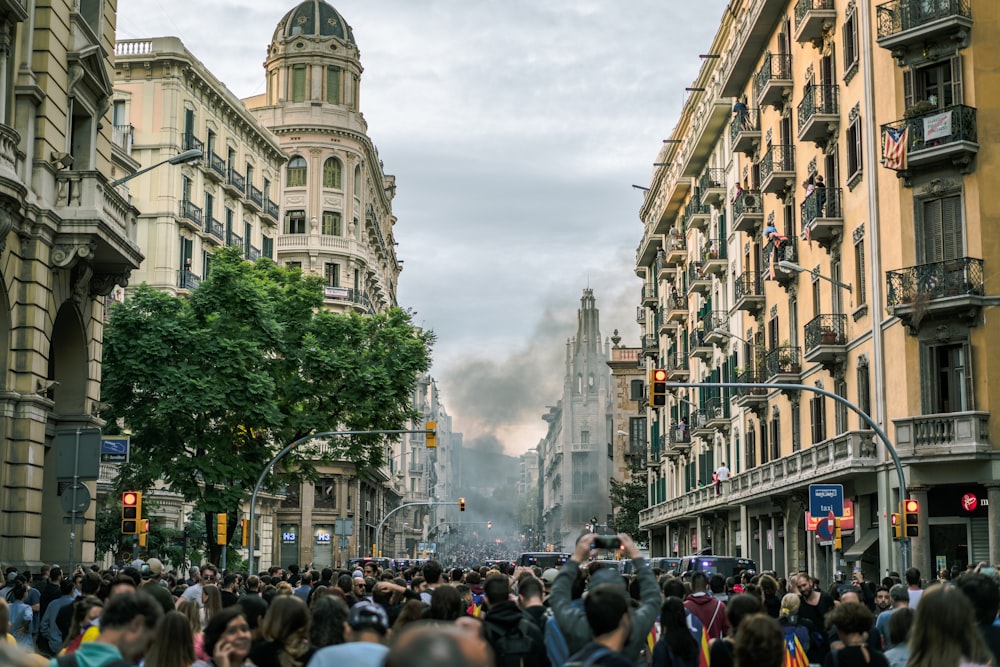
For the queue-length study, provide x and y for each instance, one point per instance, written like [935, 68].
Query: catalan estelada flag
[795, 655]
[894, 148]
[703, 653]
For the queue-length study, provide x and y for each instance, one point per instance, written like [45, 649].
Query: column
[920, 548]
[993, 493]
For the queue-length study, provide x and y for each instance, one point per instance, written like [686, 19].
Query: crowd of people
[584, 613]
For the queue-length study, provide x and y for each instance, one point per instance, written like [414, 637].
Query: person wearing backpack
[514, 637]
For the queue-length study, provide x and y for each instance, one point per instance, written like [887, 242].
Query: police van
[727, 566]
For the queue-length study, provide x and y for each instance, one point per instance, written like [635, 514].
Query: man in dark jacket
[607, 610]
[514, 637]
[984, 593]
[572, 619]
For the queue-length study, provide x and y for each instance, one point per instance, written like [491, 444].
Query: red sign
[970, 502]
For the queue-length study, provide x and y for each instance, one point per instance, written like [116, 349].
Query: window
[584, 437]
[775, 437]
[296, 266]
[325, 494]
[267, 247]
[817, 417]
[291, 498]
[333, 174]
[295, 222]
[331, 223]
[840, 425]
[189, 129]
[333, 85]
[209, 207]
[947, 377]
[266, 190]
[636, 390]
[854, 149]
[637, 433]
[298, 83]
[331, 274]
[861, 293]
[751, 447]
[247, 235]
[357, 181]
[864, 392]
[939, 229]
[297, 172]
[796, 427]
[851, 44]
[940, 85]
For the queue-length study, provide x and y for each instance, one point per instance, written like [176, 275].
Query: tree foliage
[211, 387]
[628, 498]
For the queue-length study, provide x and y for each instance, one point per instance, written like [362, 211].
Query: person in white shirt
[721, 474]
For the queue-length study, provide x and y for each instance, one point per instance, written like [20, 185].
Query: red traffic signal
[911, 505]
[461, 504]
[658, 388]
[131, 512]
[911, 518]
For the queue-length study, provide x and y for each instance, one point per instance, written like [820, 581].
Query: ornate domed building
[336, 202]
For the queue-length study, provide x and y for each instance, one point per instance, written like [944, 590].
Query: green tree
[212, 386]
[628, 498]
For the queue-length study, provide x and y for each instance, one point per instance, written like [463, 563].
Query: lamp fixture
[792, 266]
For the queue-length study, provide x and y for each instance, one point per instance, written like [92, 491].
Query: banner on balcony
[937, 126]
[894, 148]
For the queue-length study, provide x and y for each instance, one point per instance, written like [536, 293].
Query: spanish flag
[703, 654]
[795, 655]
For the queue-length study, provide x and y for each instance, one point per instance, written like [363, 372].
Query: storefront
[958, 522]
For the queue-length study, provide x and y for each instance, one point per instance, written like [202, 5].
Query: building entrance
[949, 546]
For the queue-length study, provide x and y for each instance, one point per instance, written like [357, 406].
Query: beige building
[68, 239]
[780, 246]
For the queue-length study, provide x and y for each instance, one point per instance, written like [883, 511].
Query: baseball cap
[11, 576]
[365, 614]
[606, 575]
[155, 566]
[549, 576]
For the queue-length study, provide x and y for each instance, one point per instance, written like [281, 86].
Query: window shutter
[907, 89]
[931, 233]
[951, 227]
[969, 403]
[956, 80]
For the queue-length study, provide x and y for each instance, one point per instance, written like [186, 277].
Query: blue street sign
[114, 449]
[826, 498]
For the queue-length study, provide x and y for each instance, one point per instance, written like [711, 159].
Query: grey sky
[515, 130]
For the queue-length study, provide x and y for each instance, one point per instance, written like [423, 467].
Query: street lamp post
[904, 542]
[281, 454]
[181, 158]
[792, 266]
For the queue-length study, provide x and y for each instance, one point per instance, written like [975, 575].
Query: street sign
[824, 529]
[77, 454]
[78, 502]
[826, 498]
[114, 448]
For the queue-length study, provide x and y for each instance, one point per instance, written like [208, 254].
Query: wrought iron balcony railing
[234, 239]
[822, 99]
[677, 302]
[937, 280]
[828, 329]
[237, 180]
[187, 280]
[214, 227]
[778, 158]
[929, 135]
[822, 203]
[784, 360]
[271, 209]
[217, 164]
[744, 128]
[190, 211]
[713, 249]
[898, 16]
[191, 141]
[256, 196]
[749, 284]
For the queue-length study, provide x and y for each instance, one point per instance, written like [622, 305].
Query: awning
[858, 549]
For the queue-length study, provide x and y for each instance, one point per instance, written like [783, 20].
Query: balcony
[715, 319]
[717, 412]
[713, 186]
[697, 280]
[664, 325]
[697, 215]
[677, 367]
[677, 308]
[640, 314]
[944, 436]
[664, 269]
[783, 364]
[813, 18]
[906, 24]
[190, 216]
[234, 239]
[777, 170]
[785, 253]
[187, 280]
[700, 427]
[823, 216]
[952, 289]
[651, 345]
[713, 256]
[191, 142]
[251, 253]
[744, 131]
[826, 339]
[344, 294]
[773, 81]
[121, 136]
[255, 197]
[698, 347]
[649, 295]
[819, 113]
[752, 398]
[749, 292]
[235, 182]
[676, 247]
[215, 167]
[271, 209]
[679, 439]
[748, 211]
[937, 137]
[214, 228]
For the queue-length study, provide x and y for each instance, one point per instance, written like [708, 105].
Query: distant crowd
[584, 613]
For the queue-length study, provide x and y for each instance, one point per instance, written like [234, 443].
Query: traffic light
[143, 531]
[220, 537]
[131, 512]
[911, 517]
[838, 539]
[432, 436]
[245, 532]
[658, 388]
[489, 525]
[897, 526]
[461, 504]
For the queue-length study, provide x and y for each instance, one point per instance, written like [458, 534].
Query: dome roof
[314, 18]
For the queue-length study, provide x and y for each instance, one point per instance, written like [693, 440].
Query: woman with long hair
[772, 601]
[211, 603]
[227, 639]
[945, 632]
[329, 613]
[173, 645]
[411, 611]
[676, 646]
[446, 604]
[286, 634]
[852, 622]
[19, 615]
[788, 617]
[759, 643]
[86, 610]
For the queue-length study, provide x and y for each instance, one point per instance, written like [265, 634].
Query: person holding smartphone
[227, 639]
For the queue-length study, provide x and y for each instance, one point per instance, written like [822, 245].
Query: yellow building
[778, 247]
[68, 239]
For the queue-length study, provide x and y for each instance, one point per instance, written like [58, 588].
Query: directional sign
[114, 448]
[826, 498]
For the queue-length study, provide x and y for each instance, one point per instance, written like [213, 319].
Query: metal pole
[277, 457]
[421, 503]
[72, 514]
[905, 542]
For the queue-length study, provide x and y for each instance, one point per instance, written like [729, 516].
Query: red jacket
[710, 612]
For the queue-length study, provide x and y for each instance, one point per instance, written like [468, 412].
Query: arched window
[333, 174]
[296, 172]
[357, 181]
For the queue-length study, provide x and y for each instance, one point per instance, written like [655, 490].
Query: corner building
[873, 286]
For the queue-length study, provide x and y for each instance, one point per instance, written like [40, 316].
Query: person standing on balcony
[721, 474]
[820, 189]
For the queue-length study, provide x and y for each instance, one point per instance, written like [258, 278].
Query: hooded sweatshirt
[95, 654]
[503, 619]
[710, 612]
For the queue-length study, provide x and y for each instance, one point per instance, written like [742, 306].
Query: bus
[543, 559]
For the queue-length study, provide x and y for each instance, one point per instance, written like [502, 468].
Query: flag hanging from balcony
[894, 148]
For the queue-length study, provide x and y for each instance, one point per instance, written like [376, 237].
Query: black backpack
[514, 648]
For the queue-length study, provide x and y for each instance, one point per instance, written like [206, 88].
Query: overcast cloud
[515, 130]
